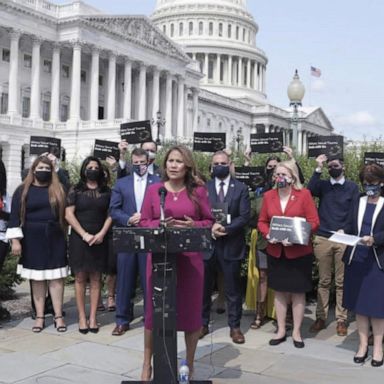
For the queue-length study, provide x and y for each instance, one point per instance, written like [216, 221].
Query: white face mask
[151, 155]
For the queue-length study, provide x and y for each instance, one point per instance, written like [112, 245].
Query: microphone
[162, 193]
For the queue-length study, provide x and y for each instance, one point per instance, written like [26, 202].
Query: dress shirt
[341, 181]
[225, 186]
[139, 185]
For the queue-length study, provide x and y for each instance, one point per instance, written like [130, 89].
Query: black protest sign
[331, 146]
[220, 212]
[267, 142]
[374, 157]
[41, 144]
[103, 149]
[253, 177]
[295, 229]
[136, 132]
[208, 142]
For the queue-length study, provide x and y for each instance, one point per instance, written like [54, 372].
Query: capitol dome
[221, 36]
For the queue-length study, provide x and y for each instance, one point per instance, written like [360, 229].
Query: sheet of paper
[344, 238]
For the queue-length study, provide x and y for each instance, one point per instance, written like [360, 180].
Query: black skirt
[290, 275]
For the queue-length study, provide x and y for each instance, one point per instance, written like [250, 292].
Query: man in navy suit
[229, 243]
[126, 201]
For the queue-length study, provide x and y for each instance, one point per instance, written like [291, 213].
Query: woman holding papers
[364, 270]
[289, 265]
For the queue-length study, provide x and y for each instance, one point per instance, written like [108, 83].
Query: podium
[164, 244]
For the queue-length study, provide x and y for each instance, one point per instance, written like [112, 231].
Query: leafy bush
[9, 278]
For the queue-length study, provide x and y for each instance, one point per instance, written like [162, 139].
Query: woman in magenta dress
[186, 205]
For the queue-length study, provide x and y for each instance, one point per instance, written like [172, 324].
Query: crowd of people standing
[56, 229]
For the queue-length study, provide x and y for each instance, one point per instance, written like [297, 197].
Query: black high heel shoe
[60, 328]
[361, 359]
[377, 363]
[36, 328]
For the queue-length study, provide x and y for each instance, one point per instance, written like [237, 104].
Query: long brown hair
[55, 192]
[191, 179]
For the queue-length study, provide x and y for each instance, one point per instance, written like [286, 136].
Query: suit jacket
[123, 202]
[300, 204]
[377, 229]
[232, 245]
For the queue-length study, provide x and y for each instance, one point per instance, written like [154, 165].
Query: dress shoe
[120, 330]
[275, 342]
[377, 363]
[298, 344]
[237, 336]
[84, 331]
[220, 310]
[203, 332]
[317, 326]
[360, 359]
[341, 328]
[94, 330]
[38, 328]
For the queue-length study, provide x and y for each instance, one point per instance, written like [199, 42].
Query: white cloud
[318, 85]
[357, 119]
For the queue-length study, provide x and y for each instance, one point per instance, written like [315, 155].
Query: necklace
[175, 195]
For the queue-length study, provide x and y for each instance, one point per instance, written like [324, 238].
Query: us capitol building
[73, 72]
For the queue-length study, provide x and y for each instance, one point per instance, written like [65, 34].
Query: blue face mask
[372, 190]
[220, 171]
[140, 169]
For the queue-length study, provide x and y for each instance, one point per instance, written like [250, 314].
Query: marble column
[35, 79]
[75, 83]
[168, 106]
[229, 80]
[127, 89]
[55, 84]
[94, 91]
[111, 98]
[142, 91]
[255, 78]
[155, 93]
[180, 107]
[249, 73]
[206, 67]
[195, 111]
[218, 68]
[13, 84]
[240, 69]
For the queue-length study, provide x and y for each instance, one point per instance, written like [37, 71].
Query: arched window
[181, 29]
[237, 32]
[221, 29]
[201, 28]
[210, 29]
[229, 31]
[244, 34]
[190, 28]
[172, 30]
[165, 29]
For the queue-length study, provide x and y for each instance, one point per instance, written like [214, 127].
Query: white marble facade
[71, 72]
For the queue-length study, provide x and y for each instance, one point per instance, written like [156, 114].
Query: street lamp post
[296, 93]
[239, 139]
[159, 122]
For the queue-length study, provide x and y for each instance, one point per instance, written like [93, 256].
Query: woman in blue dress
[364, 269]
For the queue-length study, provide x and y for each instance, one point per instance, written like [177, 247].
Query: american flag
[315, 72]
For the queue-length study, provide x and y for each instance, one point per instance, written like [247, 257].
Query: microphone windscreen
[162, 191]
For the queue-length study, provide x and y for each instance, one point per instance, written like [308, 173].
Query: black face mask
[92, 174]
[220, 171]
[43, 176]
[335, 172]
[372, 190]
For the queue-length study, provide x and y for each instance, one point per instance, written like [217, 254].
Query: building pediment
[139, 30]
[318, 117]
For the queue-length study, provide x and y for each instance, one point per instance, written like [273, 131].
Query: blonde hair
[291, 167]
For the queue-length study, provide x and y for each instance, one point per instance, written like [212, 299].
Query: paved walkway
[53, 358]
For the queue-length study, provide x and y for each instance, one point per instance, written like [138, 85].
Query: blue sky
[341, 37]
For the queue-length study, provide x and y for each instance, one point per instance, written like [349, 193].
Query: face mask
[43, 176]
[139, 169]
[151, 155]
[220, 171]
[372, 190]
[282, 182]
[335, 172]
[92, 174]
